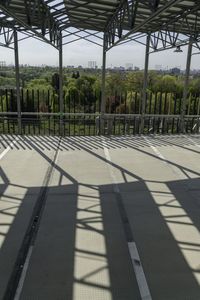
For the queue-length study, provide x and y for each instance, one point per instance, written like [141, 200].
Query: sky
[34, 52]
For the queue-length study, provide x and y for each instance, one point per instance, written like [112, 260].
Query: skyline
[34, 52]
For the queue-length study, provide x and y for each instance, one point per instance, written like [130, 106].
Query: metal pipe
[186, 84]
[61, 106]
[145, 83]
[17, 82]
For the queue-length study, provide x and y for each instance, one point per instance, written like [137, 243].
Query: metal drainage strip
[31, 233]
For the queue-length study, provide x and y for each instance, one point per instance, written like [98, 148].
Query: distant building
[92, 64]
[2, 64]
[175, 71]
[158, 67]
[119, 68]
[195, 72]
[129, 66]
[122, 68]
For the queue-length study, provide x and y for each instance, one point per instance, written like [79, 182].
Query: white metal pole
[103, 79]
[61, 85]
[145, 83]
[17, 81]
[186, 84]
[103, 86]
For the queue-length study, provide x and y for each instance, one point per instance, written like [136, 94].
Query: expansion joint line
[16, 281]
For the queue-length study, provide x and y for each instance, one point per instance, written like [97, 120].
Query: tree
[55, 82]
[38, 84]
[166, 83]
[194, 86]
[7, 83]
[134, 81]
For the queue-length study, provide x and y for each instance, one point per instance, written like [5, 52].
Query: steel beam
[46, 25]
[186, 84]
[79, 37]
[145, 83]
[61, 104]
[6, 36]
[103, 85]
[17, 82]
[115, 24]
[103, 79]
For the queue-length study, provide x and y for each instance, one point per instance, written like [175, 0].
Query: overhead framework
[170, 22]
[160, 17]
[30, 16]
[157, 24]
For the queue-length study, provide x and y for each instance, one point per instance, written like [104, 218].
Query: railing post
[186, 84]
[145, 83]
[103, 85]
[17, 82]
[61, 106]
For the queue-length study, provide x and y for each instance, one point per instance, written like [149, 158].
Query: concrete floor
[80, 251]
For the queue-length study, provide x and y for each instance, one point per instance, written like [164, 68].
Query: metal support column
[145, 83]
[186, 83]
[61, 106]
[17, 82]
[103, 85]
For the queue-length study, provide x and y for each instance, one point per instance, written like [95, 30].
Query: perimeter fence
[40, 113]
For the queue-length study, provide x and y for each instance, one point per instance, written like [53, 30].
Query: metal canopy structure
[106, 23]
[119, 20]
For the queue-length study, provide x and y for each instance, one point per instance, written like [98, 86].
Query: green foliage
[82, 90]
[39, 84]
[195, 86]
[123, 89]
[7, 82]
[55, 82]
[134, 81]
[115, 84]
[166, 83]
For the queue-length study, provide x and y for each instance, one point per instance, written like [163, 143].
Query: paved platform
[102, 195]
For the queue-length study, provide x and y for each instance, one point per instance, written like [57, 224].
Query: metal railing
[40, 114]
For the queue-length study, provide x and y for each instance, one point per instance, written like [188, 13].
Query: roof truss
[170, 22]
[33, 16]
